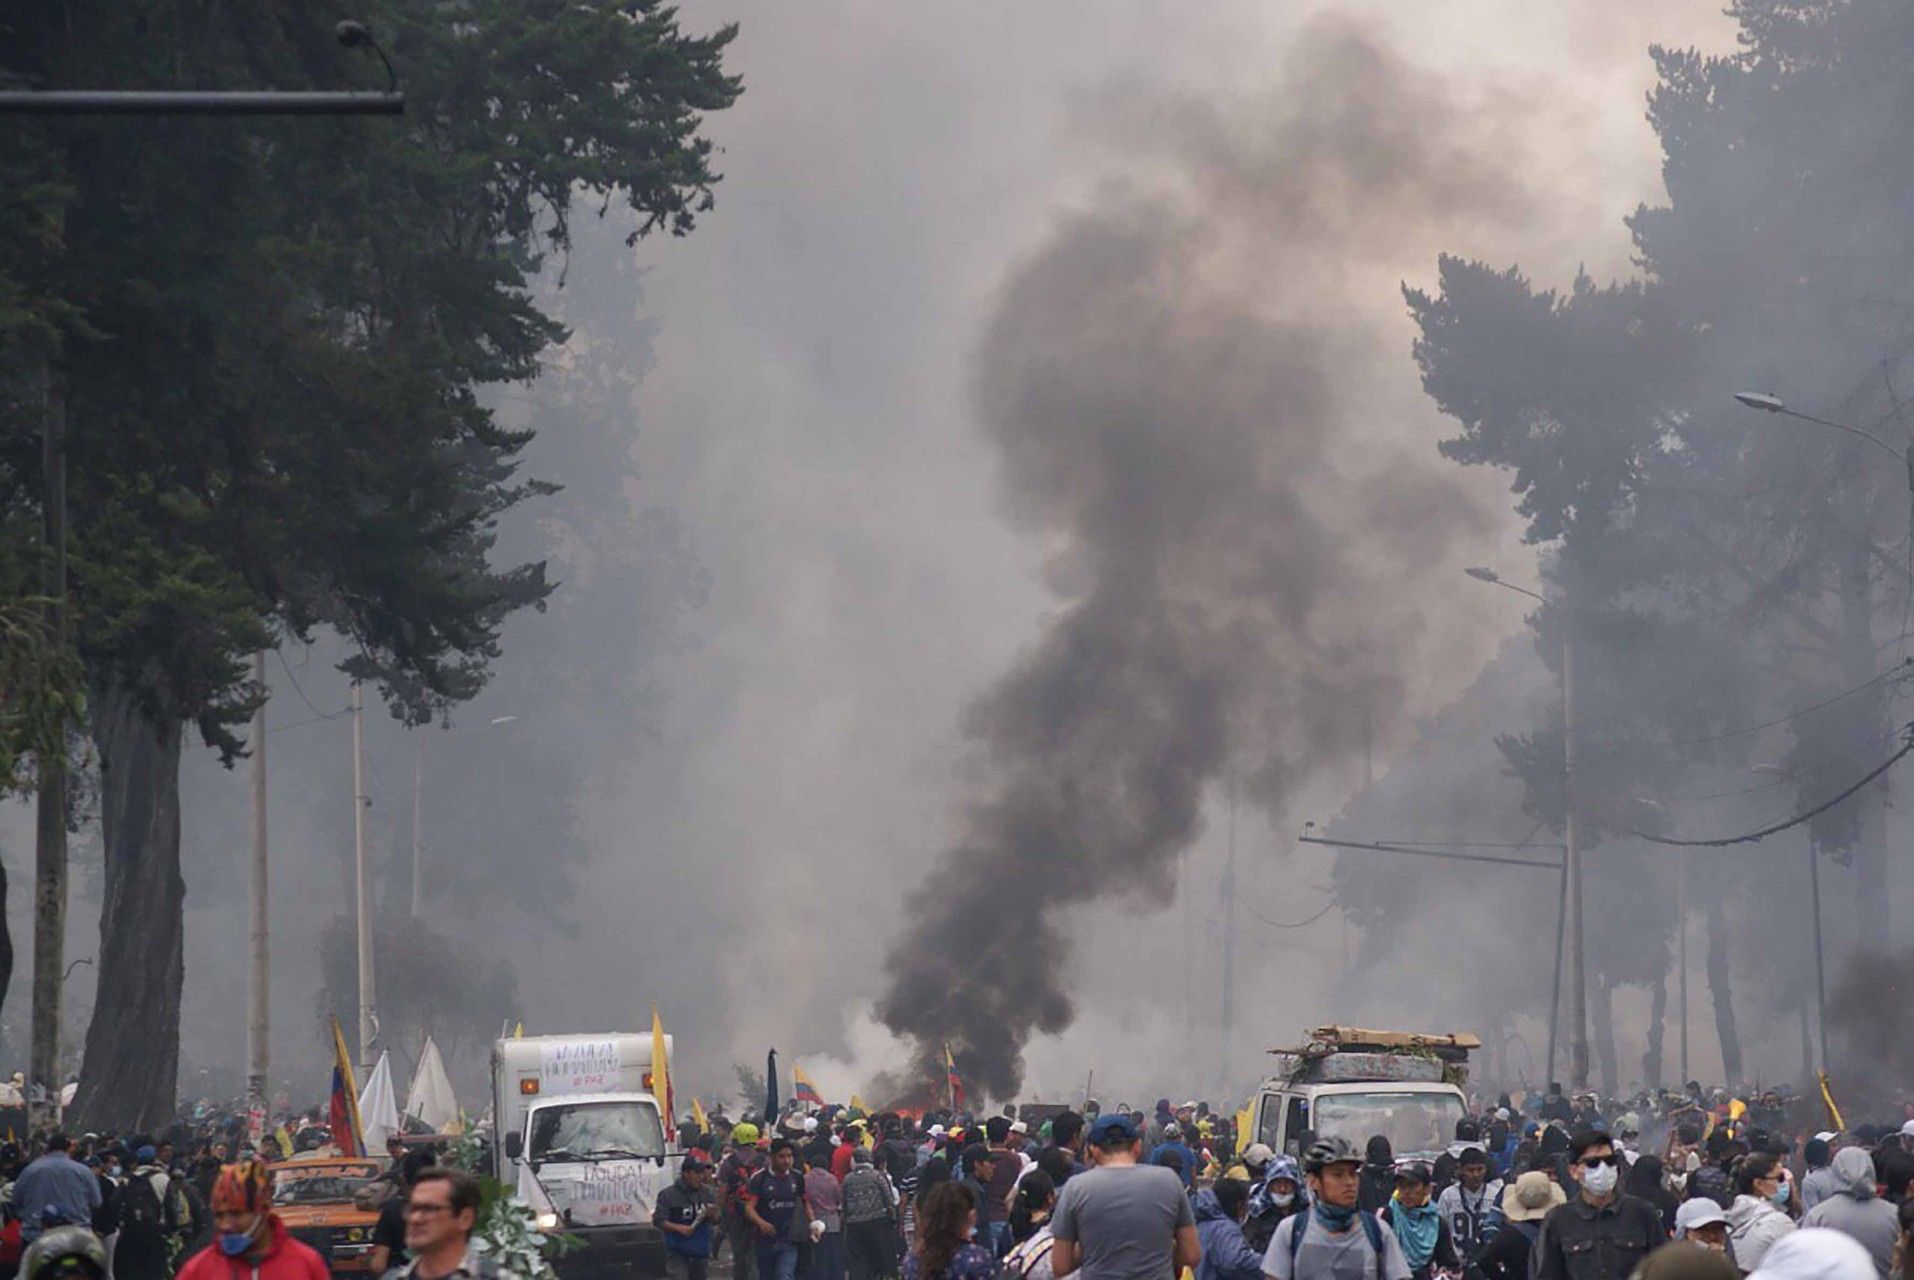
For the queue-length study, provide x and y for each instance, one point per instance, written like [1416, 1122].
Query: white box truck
[580, 1136]
[1355, 1083]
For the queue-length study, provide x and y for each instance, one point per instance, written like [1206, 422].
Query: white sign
[578, 1066]
[609, 1193]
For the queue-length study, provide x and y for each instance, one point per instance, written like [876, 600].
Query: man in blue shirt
[55, 1181]
[1173, 1141]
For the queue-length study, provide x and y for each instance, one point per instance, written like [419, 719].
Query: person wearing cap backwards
[250, 1242]
[1525, 1203]
[1420, 1229]
[687, 1211]
[1819, 1182]
[1122, 1220]
[1602, 1234]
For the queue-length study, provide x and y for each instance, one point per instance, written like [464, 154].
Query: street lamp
[1775, 404]
[1571, 852]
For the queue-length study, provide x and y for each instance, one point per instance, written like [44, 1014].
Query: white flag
[430, 1100]
[378, 1109]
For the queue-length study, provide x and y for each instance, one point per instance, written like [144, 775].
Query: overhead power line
[1383, 847]
[1907, 745]
[1285, 924]
[1903, 667]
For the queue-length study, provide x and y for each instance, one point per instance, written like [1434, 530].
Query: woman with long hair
[1030, 1227]
[944, 1250]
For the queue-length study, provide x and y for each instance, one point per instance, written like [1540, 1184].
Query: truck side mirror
[514, 1145]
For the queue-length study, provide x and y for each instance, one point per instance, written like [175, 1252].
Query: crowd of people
[1688, 1185]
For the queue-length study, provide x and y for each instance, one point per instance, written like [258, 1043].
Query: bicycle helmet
[1327, 1151]
[64, 1253]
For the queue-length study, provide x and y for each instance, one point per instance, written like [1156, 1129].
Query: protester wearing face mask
[1601, 1234]
[1758, 1217]
[1278, 1196]
[1701, 1221]
[249, 1241]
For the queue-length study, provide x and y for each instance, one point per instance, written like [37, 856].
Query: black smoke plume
[1181, 395]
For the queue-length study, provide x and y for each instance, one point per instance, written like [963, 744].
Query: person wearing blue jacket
[1219, 1229]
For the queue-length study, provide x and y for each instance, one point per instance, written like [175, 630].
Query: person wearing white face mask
[1758, 1216]
[1601, 1234]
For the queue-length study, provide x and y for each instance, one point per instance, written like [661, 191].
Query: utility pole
[1820, 960]
[1572, 861]
[49, 854]
[1229, 940]
[418, 793]
[368, 1015]
[259, 1025]
[1681, 961]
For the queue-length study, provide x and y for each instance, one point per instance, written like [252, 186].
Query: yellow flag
[697, 1113]
[284, 1140]
[518, 1032]
[1242, 1131]
[660, 1072]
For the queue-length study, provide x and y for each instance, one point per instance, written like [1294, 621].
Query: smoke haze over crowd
[1026, 445]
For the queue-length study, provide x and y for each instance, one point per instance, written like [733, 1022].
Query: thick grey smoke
[1241, 586]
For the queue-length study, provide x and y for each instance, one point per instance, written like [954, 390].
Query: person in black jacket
[1378, 1175]
[1601, 1234]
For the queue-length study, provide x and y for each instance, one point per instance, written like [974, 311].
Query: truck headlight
[547, 1221]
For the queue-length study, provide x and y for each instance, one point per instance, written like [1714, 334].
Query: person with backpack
[1036, 1199]
[152, 1220]
[1334, 1239]
[1525, 1203]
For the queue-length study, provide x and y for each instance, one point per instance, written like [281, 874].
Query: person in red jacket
[250, 1242]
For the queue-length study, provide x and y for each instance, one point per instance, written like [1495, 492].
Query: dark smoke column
[1231, 599]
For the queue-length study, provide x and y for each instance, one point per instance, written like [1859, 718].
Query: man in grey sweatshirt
[1856, 1211]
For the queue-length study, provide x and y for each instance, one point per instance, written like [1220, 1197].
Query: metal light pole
[258, 1025]
[1575, 955]
[368, 1008]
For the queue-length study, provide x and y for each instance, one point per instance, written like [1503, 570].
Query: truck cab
[1354, 1084]
[581, 1140]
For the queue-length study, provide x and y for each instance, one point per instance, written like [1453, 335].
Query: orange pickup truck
[318, 1199]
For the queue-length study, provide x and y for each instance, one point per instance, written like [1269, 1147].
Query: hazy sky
[807, 416]
[809, 411]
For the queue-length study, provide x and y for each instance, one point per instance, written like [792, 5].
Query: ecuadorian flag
[802, 1089]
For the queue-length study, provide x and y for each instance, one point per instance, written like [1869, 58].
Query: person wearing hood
[1420, 1229]
[1378, 1175]
[1279, 1195]
[1818, 1184]
[1855, 1210]
[1220, 1212]
[1645, 1178]
[1757, 1217]
[1815, 1253]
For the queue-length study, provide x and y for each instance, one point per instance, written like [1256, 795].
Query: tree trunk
[1657, 1028]
[1721, 988]
[1602, 1014]
[129, 1077]
[6, 941]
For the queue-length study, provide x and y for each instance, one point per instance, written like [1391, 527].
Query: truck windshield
[596, 1131]
[1419, 1123]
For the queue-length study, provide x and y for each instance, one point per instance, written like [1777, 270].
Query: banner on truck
[578, 1066]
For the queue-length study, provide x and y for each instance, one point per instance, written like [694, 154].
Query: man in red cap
[250, 1242]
